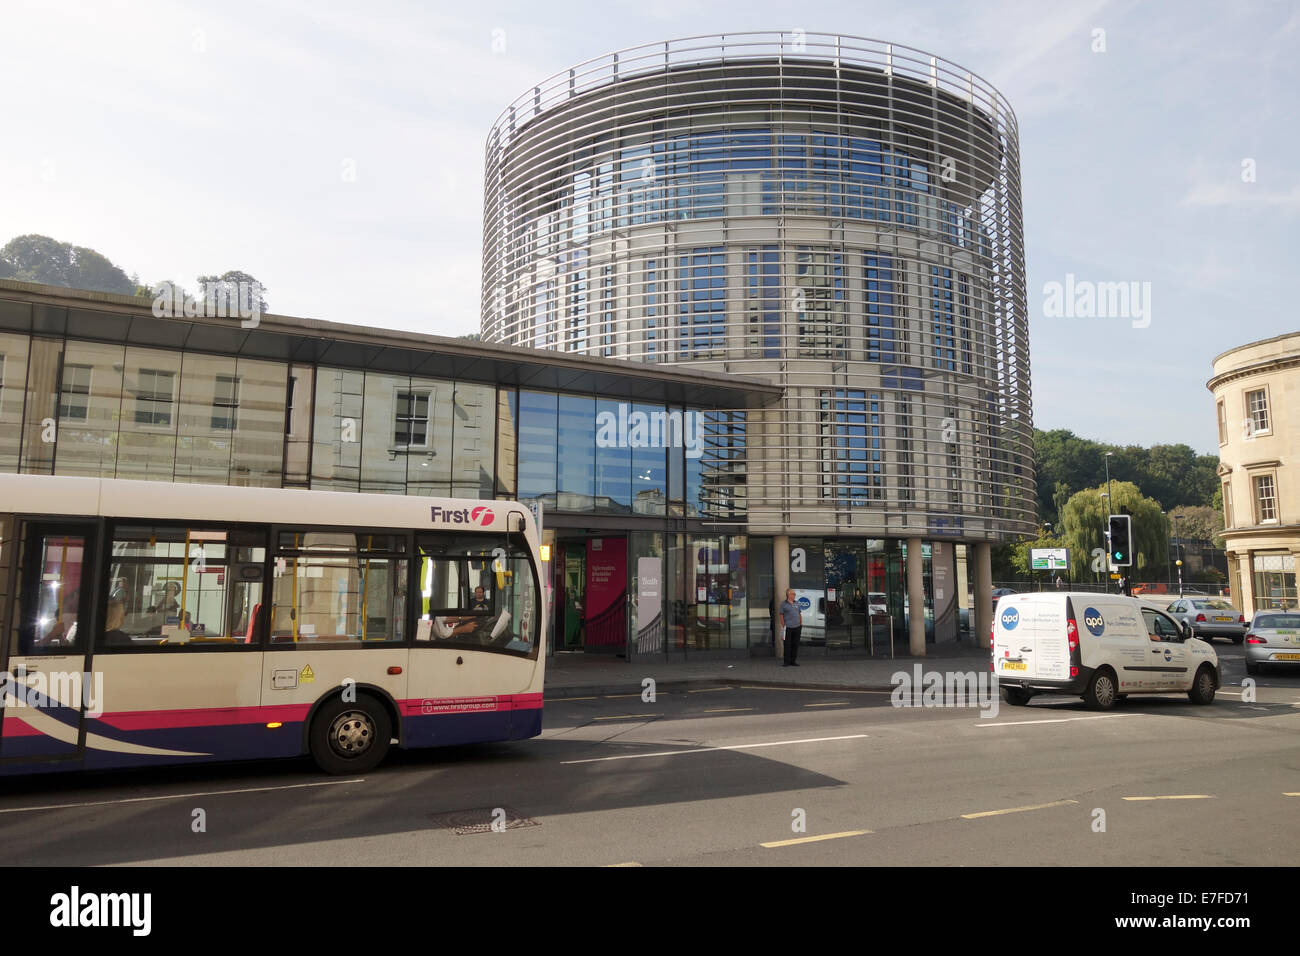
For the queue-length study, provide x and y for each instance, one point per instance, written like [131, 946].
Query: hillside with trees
[34, 258]
[1173, 475]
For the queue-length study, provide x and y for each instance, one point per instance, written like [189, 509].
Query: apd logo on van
[1010, 618]
[1093, 621]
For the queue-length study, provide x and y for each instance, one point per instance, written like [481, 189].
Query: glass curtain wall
[396, 434]
[13, 383]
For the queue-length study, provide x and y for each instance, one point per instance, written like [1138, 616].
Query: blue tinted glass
[577, 445]
[537, 443]
[649, 468]
[614, 436]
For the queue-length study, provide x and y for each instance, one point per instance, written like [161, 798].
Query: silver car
[1274, 640]
[1209, 617]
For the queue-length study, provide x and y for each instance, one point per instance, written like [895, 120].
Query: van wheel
[1202, 691]
[1016, 696]
[350, 738]
[1101, 693]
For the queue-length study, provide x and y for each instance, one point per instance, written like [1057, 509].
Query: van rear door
[1029, 637]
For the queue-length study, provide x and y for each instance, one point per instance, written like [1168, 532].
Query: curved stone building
[1257, 392]
[836, 215]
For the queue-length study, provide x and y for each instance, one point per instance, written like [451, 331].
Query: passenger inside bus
[168, 606]
[64, 631]
[445, 628]
[114, 618]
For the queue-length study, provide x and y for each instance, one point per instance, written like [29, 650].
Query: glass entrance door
[44, 705]
[575, 582]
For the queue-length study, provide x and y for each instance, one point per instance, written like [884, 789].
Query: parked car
[1273, 641]
[1209, 617]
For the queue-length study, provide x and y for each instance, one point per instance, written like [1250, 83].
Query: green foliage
[230, 281]
[1174, 475]
[1021, 557]
[34, 258]
[1084, 528]
[1001, 557]
[1197, 521]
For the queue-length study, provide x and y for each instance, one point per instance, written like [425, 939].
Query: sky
[335, 151]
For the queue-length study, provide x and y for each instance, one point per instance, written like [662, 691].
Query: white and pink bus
[147, 623]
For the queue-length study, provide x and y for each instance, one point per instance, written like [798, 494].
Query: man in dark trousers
[792, 618]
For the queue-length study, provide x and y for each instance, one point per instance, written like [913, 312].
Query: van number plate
[1286, 657]
[1014, 666]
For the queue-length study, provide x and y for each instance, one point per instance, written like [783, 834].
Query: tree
[1060, 495]
[1020, 551]
[1197, 522]
[1062, 457]
[1001, 557]
[33, 258]
[1084, 522]
[228, 283]
[1174, 475]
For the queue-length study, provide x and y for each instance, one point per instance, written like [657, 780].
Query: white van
[1101, 647]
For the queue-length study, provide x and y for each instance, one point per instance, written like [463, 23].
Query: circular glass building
[837, 215]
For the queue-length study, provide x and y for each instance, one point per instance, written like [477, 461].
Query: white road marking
[829, 703]
[727, 710]
[705, 750]
[183, 796]
[1058, 720]
[814, 690]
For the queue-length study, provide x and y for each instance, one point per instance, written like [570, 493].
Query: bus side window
[183, 586]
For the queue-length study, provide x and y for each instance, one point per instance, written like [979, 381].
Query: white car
[1101, 647]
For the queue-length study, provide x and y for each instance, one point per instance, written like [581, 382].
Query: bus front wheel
[350, 737]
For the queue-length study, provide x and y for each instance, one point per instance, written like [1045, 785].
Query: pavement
[574, 674]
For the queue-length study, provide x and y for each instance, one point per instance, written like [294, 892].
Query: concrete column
[984, 591]
[915, 600]
[780, 581]
[1246, 568]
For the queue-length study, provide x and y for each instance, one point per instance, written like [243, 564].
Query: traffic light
[1121, 541]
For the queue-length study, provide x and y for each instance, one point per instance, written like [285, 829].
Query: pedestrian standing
[792, 618]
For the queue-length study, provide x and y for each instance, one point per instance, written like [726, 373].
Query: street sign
[1049, 559]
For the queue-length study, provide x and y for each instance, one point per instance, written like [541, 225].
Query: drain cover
[482, 820]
